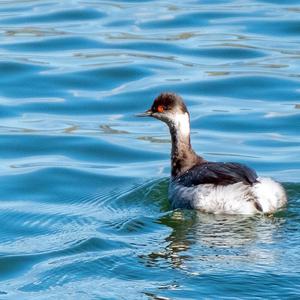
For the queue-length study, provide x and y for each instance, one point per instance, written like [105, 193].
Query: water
[84, 211]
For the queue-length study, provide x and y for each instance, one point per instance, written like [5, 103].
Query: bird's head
[169, 108]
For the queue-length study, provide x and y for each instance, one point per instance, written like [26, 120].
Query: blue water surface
[84, 212]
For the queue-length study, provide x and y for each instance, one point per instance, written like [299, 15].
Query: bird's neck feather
[182, 157]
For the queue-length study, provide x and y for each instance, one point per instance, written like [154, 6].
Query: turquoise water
[83, 204]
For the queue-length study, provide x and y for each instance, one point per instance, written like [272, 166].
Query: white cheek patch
[182, 122]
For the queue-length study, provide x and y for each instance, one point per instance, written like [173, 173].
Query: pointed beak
[147, 113]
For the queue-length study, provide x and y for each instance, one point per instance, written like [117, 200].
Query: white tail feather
[270, 194]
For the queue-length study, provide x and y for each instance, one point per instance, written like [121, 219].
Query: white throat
[182, 124]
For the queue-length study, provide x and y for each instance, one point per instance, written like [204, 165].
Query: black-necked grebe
[213, 187]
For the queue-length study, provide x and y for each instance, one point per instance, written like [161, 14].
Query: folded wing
[218, 174]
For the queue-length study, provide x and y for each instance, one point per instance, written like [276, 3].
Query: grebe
[212, 187]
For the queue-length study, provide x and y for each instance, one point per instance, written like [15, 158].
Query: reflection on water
[215, 239]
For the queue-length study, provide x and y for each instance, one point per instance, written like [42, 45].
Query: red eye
[160, 108]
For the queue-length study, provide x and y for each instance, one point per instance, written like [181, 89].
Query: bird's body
[212, 187]
[265, 196]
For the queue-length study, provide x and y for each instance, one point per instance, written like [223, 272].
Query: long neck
[182, 157]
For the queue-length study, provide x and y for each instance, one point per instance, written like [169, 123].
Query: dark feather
[218, 174]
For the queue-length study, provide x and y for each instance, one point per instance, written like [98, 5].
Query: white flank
[235, 198]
